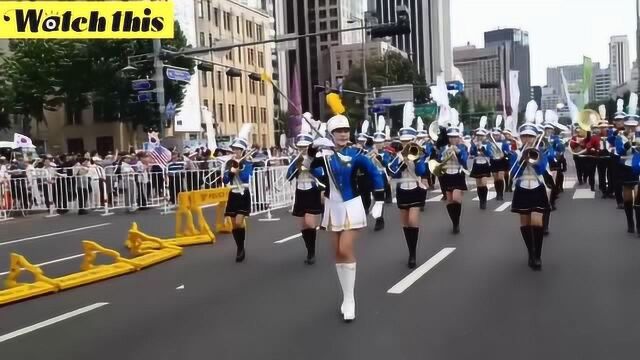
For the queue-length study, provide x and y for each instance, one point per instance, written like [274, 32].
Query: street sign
[382, 101]
[145, 96]
[377, 109]
[141, 85]
[427, 111]
[178, 74]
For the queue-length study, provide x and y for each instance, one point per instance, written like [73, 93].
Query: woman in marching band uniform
[237, 175]
[365, 144]
[481, 169]
[615, 164]
[499, 161]
[453, 157]
[408, 168]
[513, 143]
[381, 159]
[625, 148]
[530, 196]
[307, 204]
[344, 213]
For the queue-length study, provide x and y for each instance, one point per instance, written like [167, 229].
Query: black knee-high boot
[628, 210]
[499, 184]
[637, 211]
[482, 194]
[309, 237]
[538, 238]
[411, 237]
[545, 222]
[454, 210]
[508, 183]
[560, 181]
[238, 236]
[527, 236]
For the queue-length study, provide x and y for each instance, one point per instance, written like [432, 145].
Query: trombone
[530, 154]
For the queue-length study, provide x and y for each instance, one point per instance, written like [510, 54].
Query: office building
[619, 60]
[602, 84]
[514, 44]
[429, 43]
[481, 69]
[235, 101]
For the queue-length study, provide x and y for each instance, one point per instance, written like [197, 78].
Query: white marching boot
[347, 278]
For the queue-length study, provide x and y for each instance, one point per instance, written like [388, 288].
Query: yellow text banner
[86, 19]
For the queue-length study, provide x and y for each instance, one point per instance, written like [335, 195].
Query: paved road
[480, 302]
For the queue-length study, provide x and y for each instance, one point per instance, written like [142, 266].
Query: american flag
[160, 155]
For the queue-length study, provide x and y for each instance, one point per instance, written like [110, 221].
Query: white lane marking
[404, 284]
[288, 238]
[52, 262]
[54, 234]
[584, 194]
[503, 207]
[435, 198]
[569, 184]
[181, 287]
[208, 206]
[490, 196]
[51, 321]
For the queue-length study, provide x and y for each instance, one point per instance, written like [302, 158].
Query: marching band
[338, 180]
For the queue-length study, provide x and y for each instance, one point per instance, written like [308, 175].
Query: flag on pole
[160, 155]
[573, 109]
[21, 141]
[587, 81]
[514, 94]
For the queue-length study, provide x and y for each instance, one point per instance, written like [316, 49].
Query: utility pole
[637, 42]
[365, 84]
[158, 78]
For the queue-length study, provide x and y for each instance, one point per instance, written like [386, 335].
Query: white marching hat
[242, 141]
[337, 122]
[528, 129]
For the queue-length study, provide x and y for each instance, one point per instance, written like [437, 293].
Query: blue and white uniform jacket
[530, 175]
[481, 154]
[239, 182]
[306, 178]
[408, 173]
[455, 164]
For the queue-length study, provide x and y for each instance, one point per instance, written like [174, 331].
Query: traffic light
[255, 77]
[205, 67]
[233, 72]
[402, 26]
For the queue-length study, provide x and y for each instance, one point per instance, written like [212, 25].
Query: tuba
[412, 151]
[587, 118]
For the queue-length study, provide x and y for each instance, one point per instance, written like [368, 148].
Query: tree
[392, 69]
[43, 75]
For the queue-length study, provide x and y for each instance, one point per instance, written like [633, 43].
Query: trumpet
[231, 163]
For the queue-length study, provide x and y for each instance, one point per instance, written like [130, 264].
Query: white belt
[481, 160]
[239, 189]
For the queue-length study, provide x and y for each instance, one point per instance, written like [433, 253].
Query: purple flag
[295, 104]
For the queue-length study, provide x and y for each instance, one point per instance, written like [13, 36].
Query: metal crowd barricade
[269, 190]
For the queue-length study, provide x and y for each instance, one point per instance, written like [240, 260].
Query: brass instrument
[412, 151]
[437, 168]
[233, 163]
[495, 143]
[588, 118]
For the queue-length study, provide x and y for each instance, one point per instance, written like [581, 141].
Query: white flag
[21, 141]
[207, 116]
[514, 95]
[573, 109]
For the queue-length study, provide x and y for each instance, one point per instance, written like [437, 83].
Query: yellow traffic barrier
[16, 291]
[188, 214]
[149, 250]
[92, 273]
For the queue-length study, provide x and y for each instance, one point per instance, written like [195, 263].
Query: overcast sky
[560, 31]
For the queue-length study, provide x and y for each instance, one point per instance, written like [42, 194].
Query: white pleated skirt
[344, 215]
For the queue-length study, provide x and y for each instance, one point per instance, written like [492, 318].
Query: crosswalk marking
[584, 194]
[434, 198]
[503, 207]
[490, 196]
[569, 184]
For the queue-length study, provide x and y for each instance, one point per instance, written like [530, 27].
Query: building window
[229, 83]
[338, 65]
[334, 37]
[253, 114]
[209, 10]
[323, 47]
[242, 113]
[220, 114]
[322, 14]
[249, 29]
[250, 57]
[322, 3]
[226, 20]
[323, 37]
[323, 25]
[333, 2]
[262, 91]
[252, 87]
[238, 24]
[216, 16]
[200, 9]
[350, 63]
[263, 115]
[202, 39]
[203, 77]
[260, 59]
[259, 32]
[219, 79]
[205, 103]
[333, 12]
[240, 55]
[264, 140]
[229, 55]
[232, 113]
[334, 24]
[241, 81]
[255, 140]
[210, 40]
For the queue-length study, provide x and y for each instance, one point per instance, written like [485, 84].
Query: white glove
[325, 152]
[376, 210]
